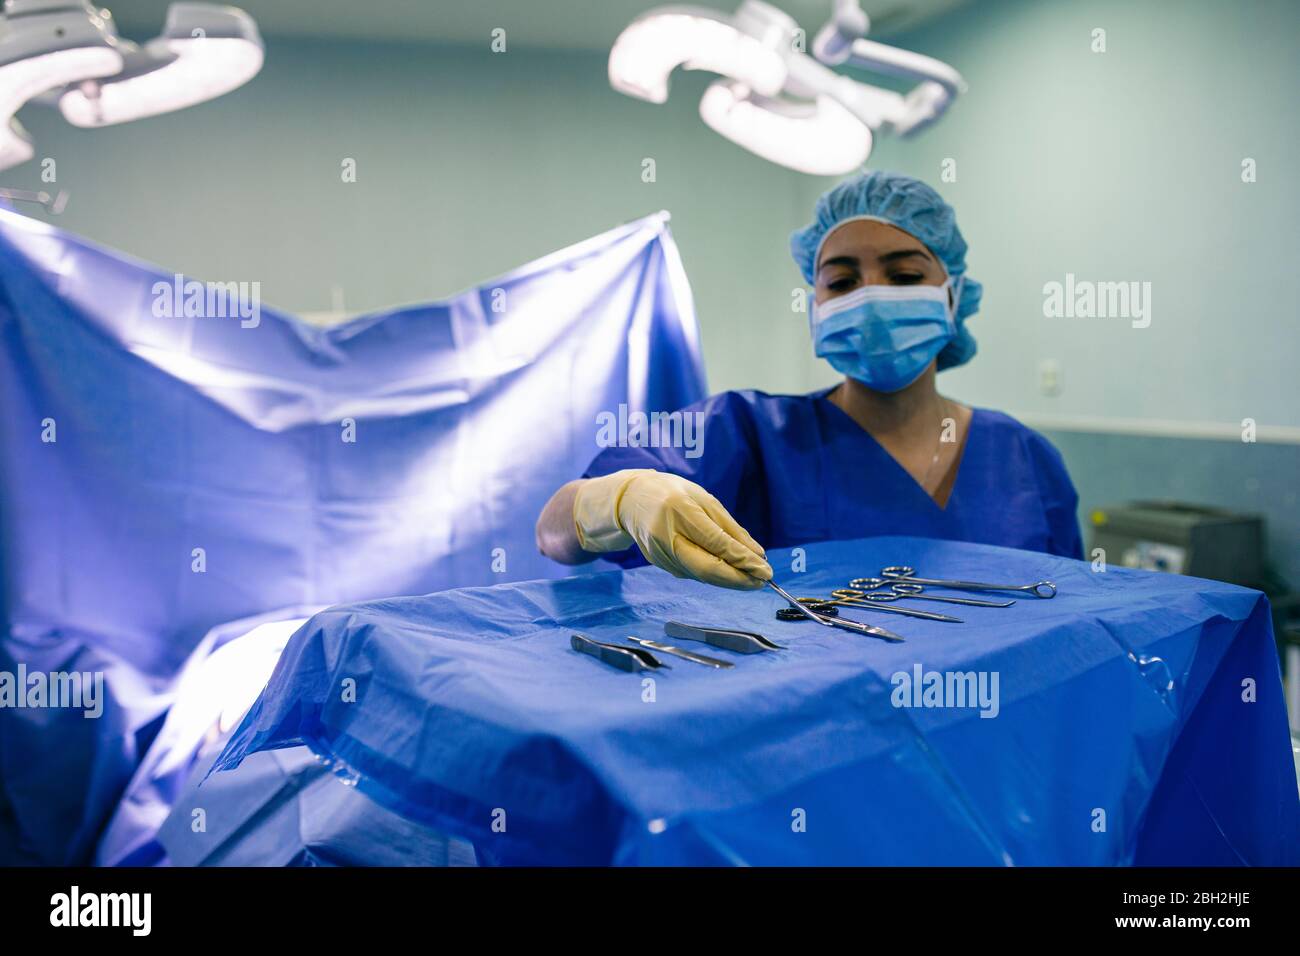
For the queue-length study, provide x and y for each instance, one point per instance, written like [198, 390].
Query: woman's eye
[843, 284]
[906, 278]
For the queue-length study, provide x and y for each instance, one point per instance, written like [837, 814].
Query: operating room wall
[468, 163]
[1127, 166]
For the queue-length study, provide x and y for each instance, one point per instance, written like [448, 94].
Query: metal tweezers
[685, 655]
[616, 655]
[742, 642]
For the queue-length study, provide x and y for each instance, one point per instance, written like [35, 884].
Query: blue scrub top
[793, 469]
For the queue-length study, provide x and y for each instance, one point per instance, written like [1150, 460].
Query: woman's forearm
[557, 538]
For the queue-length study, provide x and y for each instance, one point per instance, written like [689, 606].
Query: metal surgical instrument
[873, 602]
[742, 642]
[856, 627]
[616, 655]
[825, 608]
[901, 572]
[868, 588]
[684, 655]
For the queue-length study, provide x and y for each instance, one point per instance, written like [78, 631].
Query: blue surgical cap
[915, 208]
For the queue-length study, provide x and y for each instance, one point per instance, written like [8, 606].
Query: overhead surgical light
[647, 52]
[204, 52]
[68, 51]
[44, 46]
[775, 100]
[821, 137]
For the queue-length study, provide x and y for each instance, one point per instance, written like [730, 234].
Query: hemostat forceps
[871, 589]
[879, 602]
[901, 572]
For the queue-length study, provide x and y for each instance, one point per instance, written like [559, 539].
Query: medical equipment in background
[773, 98]
[67, 53]
[1205, 542]
[1184, 539]
[54, 205]
[1289, 638]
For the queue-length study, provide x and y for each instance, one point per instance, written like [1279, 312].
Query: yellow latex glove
[678, 526]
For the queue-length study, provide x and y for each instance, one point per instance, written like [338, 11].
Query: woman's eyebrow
[887, 257]
[903, 254]
[851, 261]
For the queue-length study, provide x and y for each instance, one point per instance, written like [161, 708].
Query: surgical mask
[884, 336]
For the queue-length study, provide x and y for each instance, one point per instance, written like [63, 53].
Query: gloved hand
[678, 526]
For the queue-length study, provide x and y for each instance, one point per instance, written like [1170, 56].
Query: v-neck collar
[847, 420]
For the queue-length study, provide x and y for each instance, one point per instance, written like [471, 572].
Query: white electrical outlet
[1049, 377]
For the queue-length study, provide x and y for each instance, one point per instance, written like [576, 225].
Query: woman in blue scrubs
[880, 453]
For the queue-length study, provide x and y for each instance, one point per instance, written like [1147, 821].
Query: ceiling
[546, 24]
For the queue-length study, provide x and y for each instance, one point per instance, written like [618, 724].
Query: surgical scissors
[867, 588]
[860, 599]
[856, 626]
[901, 572]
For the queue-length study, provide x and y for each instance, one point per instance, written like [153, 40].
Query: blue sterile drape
[162, 472]
[1135, 718]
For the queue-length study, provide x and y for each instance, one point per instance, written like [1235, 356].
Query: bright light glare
[23, 79]
[222, 689]
[204, 68]
[646, 53]
[823, 139]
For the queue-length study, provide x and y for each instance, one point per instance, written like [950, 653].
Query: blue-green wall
[1126, 165]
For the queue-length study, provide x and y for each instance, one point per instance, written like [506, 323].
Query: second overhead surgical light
[772, 98]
